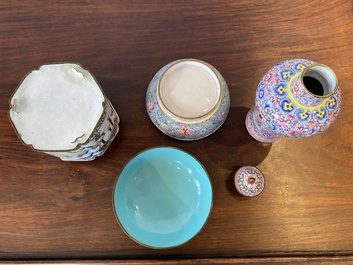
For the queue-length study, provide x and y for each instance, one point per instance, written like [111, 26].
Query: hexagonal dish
[61, 110]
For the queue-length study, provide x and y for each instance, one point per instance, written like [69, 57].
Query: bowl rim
[115, 185]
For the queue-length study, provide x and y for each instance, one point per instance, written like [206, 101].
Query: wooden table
[56, 212]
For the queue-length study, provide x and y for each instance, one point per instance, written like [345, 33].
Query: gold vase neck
[322, 74]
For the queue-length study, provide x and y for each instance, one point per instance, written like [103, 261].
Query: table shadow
[232, 147]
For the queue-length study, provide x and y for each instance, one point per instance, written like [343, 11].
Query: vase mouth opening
[319, 80]
[189, 89]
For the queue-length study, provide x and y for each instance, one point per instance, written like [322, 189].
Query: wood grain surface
[50, 209]
[322, 260]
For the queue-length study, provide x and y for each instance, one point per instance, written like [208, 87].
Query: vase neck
[313, 85]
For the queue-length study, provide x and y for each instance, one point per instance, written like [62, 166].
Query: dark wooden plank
[55, 209]
[239, 261]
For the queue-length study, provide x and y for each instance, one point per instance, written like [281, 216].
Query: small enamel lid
[249, 181]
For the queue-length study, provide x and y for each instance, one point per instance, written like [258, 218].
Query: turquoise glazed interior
[162, 197]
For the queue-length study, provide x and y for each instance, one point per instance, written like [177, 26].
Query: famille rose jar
[188, 99]
[61, 110]
[296, 98]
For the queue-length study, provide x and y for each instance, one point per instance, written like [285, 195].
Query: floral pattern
[283, 107]
[150, 104]
[249, 181]
[183, 129]
[280, 90]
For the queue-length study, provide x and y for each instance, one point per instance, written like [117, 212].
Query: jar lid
[249, 181]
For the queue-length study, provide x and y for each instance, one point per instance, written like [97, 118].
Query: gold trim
[116, 215]
[186, 119]
[326, 67]
[104, 104]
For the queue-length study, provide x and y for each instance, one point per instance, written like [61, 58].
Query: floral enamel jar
[187, 99]
[296, 98]
[61, 110]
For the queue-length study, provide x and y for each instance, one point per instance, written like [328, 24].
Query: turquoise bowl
[162, 198]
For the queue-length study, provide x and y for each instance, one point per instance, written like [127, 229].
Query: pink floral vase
[296, 98]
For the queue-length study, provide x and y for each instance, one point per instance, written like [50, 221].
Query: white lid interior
[189, 89]
[56, 107]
